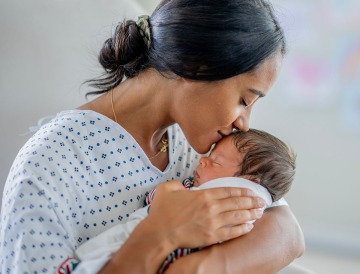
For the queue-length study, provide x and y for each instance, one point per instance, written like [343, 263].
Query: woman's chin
[203, 144]
[202, 149]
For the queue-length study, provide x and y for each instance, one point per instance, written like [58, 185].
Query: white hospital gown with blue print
[78, 176]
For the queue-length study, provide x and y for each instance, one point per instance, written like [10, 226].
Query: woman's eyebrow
[257, 92]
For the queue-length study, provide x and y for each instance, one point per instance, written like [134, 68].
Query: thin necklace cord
[164, 141]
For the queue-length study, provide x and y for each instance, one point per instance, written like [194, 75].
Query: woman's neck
[142, 107]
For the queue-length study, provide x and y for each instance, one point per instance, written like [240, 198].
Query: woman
[175, 84]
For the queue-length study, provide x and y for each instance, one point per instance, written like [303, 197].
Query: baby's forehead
[220, 144]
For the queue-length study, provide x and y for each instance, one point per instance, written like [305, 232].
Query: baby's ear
[252, 178]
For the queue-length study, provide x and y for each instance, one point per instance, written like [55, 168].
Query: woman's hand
[275, 242]
[204, 217]
[181, 218]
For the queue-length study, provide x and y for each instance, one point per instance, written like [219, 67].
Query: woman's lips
[220, 136]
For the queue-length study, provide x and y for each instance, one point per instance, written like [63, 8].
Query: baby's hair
[268, 159]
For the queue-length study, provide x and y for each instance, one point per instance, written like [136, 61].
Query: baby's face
[223, 161]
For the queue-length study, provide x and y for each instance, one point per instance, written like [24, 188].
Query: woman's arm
[275, 241]
[143, 252]
[181, 218]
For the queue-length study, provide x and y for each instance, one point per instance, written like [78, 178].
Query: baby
[253, 159]
[254, 155]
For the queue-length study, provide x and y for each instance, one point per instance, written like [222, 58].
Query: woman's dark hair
[205, 40]
[268, 159]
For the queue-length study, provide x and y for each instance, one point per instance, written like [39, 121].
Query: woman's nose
[242, 122]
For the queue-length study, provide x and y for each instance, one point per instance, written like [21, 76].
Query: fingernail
[261, 202]
[250, 193]
[259, 212]
[249, 226]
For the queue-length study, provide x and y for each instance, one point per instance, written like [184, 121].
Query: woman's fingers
[227, 192]
[231, 224]
[237, 217]
[170, 186]
[231, 232]
[226, 233]
[235, 203]
[202, 217]
[231, 203]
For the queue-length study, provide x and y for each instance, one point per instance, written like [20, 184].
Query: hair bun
[124, 54]
[124, 50]
[107, 56]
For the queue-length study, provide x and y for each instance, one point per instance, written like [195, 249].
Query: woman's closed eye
[243, 102]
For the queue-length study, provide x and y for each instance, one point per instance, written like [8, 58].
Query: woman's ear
[252, 178]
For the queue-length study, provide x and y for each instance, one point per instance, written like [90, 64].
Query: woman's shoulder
[70, 135]
[66, 127]
[76, 126]
[83, 118]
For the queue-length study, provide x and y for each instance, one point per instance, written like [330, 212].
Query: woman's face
[208, 111]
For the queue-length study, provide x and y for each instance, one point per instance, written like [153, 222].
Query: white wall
[315, 106]
[48, 48]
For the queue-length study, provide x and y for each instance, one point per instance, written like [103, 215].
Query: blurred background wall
[48, 48]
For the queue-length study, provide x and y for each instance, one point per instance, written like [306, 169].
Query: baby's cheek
[207, 177]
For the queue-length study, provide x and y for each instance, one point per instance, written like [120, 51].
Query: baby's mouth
[196, 178]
